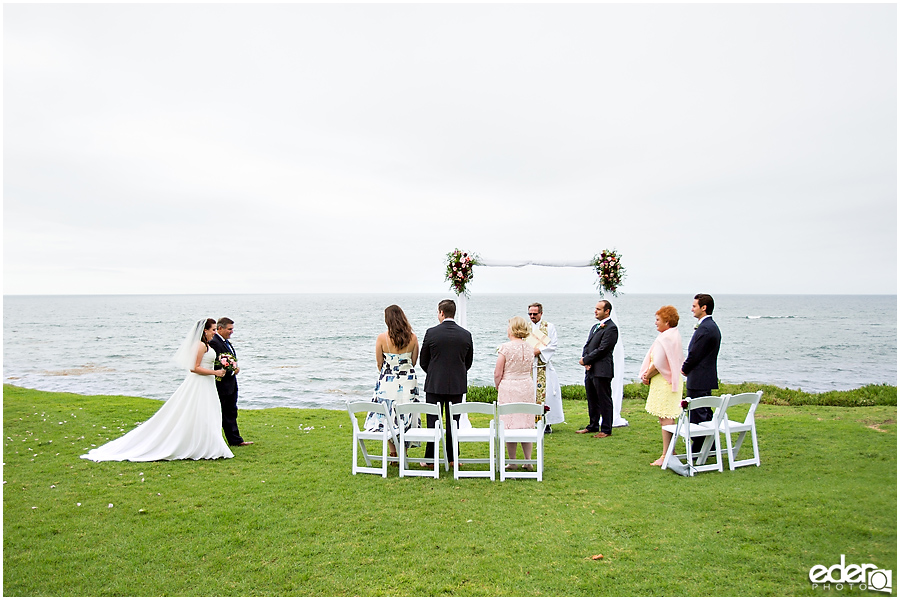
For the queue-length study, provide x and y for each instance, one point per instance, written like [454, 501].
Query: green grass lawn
[286, 518]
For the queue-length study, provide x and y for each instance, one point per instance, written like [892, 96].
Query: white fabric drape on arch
[618, 382]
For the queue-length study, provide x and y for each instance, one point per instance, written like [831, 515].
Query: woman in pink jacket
[661, 370]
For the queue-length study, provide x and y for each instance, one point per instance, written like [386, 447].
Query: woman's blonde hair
[520, 327]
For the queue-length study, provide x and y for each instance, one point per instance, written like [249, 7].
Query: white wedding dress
[189, 425]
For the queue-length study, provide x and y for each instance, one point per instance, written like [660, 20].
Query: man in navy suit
[597, 360]
[700, 365]
[228, 387]
[446, 357]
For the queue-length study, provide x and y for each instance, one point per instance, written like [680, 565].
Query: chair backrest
[484, 408]
[751, 398]
[529, 408]
[420, 408]
[707, 402]
[366, 407]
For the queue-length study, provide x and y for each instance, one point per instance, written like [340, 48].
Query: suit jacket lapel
[700, 327]
[228, 347]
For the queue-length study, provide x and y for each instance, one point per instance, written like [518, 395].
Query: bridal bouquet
[226, 361]
[459, 270]
[610, 272]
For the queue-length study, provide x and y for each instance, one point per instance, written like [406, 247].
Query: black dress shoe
[548, 429]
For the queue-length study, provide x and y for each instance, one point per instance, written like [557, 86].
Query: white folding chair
[422, 433]
[727, 426]
[686, 430]
[534, 435]
[473, 434]
[361, 435]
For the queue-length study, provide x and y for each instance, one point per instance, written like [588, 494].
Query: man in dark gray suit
[700, 365]
[446, 357]
[597, 360]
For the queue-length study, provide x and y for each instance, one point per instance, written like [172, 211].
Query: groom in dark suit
[597, 360]
[446, 357]
[228, 387]
[700, 365]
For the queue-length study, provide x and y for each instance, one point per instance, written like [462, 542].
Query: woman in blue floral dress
[396, 353]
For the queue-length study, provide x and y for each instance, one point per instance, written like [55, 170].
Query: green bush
[481, 394]
[569, 392]
[869, 395]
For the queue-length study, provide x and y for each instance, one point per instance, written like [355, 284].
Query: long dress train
[189, 425]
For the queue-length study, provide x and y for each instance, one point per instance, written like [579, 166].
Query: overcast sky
[347, 148]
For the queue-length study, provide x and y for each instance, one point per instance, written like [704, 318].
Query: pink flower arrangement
[610, 272]
[459, 270]
[226, 361]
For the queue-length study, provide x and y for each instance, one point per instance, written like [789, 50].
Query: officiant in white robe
[546, 381]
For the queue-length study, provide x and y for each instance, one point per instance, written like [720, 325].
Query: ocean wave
[75, 371]
[770, 317]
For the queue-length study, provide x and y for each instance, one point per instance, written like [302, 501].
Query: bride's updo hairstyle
[519, 327]
[399, 329]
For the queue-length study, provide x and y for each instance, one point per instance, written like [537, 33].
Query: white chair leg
[730, 450]
[456, 454]
[540, 460]
[737, 445]
[717, 448]
[365, 452]
[437, 442]
[755, 445]
[401, 456]
[446, 459]
[670, 451]
[501, 457]
[493, 457]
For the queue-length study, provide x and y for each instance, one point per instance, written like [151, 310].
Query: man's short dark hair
[538, 306]
[448, 307]
[707, 301]
[607, 305]
[223, 323]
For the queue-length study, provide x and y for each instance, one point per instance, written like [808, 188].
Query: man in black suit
[597, 360]
[228, 387]
[700, 365]
[446, 357]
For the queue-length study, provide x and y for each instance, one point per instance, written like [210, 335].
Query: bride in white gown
[189, 424]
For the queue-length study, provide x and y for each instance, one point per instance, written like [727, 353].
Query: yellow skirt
[662, 401]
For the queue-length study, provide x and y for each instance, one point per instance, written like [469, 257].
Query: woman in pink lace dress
[512, 376]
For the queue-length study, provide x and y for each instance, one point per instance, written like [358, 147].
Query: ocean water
[317, 350]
